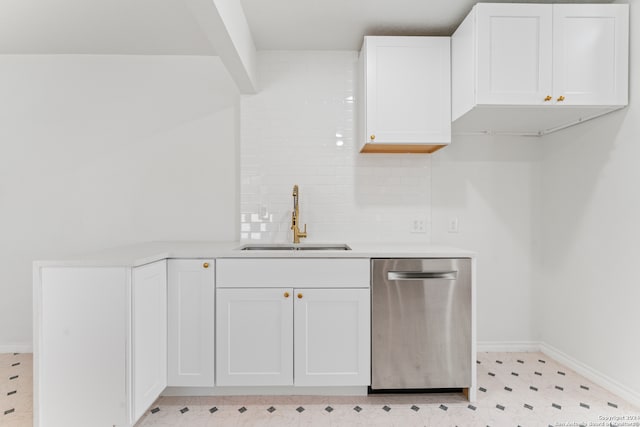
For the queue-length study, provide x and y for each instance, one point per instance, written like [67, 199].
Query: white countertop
[144, 253]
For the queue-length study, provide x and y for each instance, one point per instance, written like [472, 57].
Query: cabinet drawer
[296, 273]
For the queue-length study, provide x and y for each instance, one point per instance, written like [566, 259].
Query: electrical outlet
[419, 225]
[453, 225]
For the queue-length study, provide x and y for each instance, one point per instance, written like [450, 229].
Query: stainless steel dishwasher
[421, 323]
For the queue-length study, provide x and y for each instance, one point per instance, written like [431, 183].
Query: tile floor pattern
[16, 389]
[514, 389]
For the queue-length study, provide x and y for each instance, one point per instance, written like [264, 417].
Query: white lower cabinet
[255, 337]
[148, 335]
[108, 340]
[331, 337]
[80, 347]
[100, 343]
[313, 334]
[191, 320]
[264, 333]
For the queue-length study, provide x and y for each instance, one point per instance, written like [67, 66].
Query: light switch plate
[453, 225]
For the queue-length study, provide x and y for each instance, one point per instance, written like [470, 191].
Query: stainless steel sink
[294, 247]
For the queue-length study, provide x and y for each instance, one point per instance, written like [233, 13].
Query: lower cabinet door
[148, 335]
[254, 330]
[191, 318]
[332, 337]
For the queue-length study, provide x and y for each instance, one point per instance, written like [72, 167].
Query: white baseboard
[597, 377]
[16, 348]
[266, 391]
[604, 381]
[508, 346]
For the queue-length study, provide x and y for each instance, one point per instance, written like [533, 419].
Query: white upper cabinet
[405, 94]
[191, 321]
[537, 68]
[514, 54]
[590, 55]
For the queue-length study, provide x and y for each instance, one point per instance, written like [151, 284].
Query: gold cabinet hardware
[372, 137]
[286, 294]
[205, 265]
[560, 98]
[299, 296]
[547, 98]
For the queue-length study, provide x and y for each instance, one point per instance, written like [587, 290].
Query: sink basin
[294, 247]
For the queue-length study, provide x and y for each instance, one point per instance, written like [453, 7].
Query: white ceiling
[128, 27]
[168, 27]
[341, 24]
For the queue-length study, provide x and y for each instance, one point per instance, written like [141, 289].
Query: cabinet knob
[560, 98]
[205, 265]
[372, 137]
[286, 294]
[547, 98]
[299, 296]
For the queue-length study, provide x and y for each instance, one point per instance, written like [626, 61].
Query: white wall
[589, 307]
[289, 135]
[100, 151]
[491, 186]
[299, 129]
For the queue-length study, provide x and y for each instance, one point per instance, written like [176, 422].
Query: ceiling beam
[226, 27]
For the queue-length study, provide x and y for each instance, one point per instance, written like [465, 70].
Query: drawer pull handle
[422, 275]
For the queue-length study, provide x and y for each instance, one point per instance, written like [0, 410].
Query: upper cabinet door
[407, 90]
[591, 49]
[514, 53]
[191, 319]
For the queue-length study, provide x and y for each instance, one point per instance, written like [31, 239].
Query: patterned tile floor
[16, 389]
[515, 389]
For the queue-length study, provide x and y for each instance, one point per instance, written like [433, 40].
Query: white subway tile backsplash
[299, 129]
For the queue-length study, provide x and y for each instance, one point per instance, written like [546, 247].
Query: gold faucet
[295, 217]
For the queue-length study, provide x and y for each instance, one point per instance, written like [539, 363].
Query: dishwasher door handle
[422, 275]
